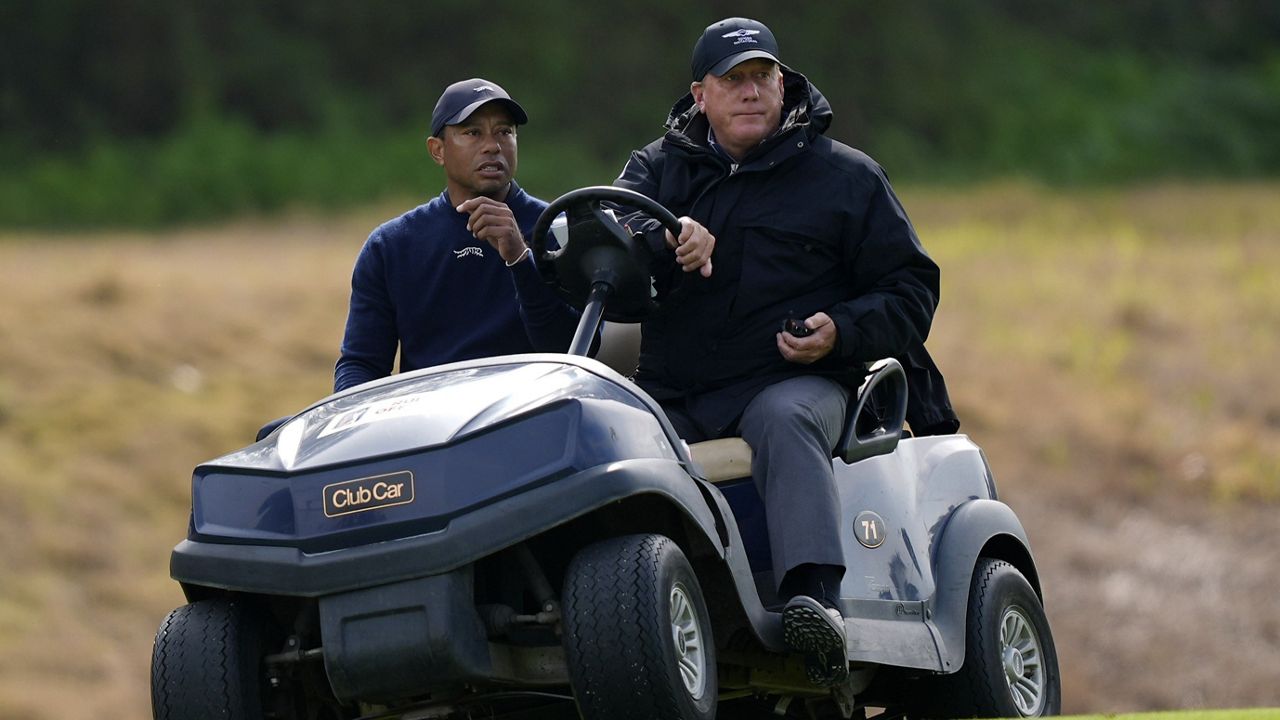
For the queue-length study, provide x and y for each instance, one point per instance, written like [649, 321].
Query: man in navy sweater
[452, 279]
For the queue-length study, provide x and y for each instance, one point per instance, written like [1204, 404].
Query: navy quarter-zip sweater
[426, 285]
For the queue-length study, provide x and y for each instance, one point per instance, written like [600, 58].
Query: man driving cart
[795, 267]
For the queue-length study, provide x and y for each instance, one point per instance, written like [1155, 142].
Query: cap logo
[743, 36]
[471, 250]
[483, 88]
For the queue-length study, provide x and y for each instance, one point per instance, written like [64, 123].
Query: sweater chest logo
[467, 251]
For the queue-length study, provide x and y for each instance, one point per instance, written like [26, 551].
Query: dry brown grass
[126, 361]
[1112, 352]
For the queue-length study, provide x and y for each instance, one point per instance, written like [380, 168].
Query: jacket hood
[803, 106]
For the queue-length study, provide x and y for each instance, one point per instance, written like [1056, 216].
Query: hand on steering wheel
[693, 246]
[601, 251]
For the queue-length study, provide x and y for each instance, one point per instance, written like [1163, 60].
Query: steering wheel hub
[600, 252]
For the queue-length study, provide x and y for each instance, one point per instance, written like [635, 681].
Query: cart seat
[722, 460]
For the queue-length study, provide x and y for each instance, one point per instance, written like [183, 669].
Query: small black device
[796, 327]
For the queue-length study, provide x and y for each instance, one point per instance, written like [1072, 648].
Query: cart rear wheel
[1010, 666]
[637, 633]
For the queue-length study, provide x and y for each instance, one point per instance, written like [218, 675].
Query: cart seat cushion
[724, 459]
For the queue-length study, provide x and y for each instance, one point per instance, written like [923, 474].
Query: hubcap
[687, 637]
[1020, 656]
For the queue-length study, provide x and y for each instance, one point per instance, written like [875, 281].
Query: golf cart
[527, 537]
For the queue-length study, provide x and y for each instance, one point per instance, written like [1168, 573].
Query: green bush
[156, 112]
[214, 169]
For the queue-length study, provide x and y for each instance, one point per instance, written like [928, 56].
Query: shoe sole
[810, 631]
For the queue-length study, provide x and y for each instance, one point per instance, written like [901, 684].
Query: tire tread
[195, 664]
[977, 689]
[615, 666]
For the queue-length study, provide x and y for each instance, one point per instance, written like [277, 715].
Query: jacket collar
[804, 110]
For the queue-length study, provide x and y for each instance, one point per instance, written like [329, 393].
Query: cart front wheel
[637, 634]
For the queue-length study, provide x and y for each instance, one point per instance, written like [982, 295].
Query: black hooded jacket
[803, 224]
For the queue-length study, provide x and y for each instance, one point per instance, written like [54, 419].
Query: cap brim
[726, 64]
[517, 112]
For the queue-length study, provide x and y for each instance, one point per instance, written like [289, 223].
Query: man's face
[478, 154]
[744, 106]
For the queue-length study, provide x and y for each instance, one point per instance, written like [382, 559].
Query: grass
[1112, 346]
[1159, 301]
[1253, 714]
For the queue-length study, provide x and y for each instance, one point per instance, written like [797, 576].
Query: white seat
[720, 460]
[724, 459]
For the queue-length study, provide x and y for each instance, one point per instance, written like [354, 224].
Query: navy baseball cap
[461, 99]
[729, 42]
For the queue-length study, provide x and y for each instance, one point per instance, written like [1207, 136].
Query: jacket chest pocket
[783, 272]
[793, 254]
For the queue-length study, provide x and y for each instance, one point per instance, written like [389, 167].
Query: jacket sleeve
[370, 341]
[643, 173]
[895, 282]
[549, 322]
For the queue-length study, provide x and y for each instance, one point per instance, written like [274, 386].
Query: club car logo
[371, 493]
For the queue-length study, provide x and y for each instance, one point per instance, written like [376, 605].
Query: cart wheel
[1010, 666]
[206, 663]
[637, 633]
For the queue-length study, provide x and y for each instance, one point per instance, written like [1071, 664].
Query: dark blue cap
[461, 99]
[729, 42]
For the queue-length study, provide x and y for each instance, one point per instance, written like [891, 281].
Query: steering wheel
[600, 252]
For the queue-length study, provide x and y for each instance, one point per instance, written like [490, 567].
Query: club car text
[371, 493]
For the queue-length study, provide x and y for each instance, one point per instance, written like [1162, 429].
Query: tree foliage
[1078, 92]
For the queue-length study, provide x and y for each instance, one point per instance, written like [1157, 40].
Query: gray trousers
[792, 426]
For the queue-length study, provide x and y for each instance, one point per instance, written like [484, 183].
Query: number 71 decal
[868, 527]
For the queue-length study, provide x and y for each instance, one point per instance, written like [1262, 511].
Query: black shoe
[818, 632]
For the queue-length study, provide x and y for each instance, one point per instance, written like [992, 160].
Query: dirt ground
[1113, 353]
[1160, 595]
[1156, 602]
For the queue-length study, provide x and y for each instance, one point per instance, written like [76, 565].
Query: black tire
[1010, 665]
[207, 663]
[625, 599]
